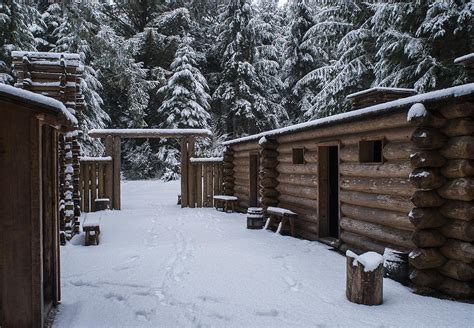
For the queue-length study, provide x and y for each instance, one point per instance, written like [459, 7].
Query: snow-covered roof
[149, 133]
[390, 106]
[464, 58]
[381, 89]
[95, 159]
[206, 159]
[45, 55]
[37, 99]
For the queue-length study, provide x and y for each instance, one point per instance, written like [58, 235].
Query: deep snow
[162, 266]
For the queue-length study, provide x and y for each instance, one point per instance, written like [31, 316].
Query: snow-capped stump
[419, 116]
[364, 280]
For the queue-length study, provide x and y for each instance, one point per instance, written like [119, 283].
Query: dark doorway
[254, 165]
[328, 192]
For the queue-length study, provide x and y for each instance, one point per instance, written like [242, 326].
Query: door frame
[323, 193]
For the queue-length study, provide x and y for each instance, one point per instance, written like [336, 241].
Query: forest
[236, 67]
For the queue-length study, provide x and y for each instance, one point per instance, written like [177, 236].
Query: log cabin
[396, 172]
[29, 228]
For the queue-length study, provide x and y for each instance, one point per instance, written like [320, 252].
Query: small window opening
[298, 155]
[370, 151]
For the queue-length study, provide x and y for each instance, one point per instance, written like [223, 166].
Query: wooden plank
[149, 133]
[385, 170]
[184, 172]
[56, 242]
[86, 174]
[215, 179]
[116, 162]
[388, 202]
[81, 185]
[109, 170]
[93, 177]
[100, 178]
[210, 199]
[199, 184]
[386, 186]
[191, 173]
[205, 184]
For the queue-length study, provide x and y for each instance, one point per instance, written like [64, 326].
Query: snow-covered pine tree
[301, 58]
[52, 17]
[75, 34]
[15, 34]
[239, 96]
[342, 34]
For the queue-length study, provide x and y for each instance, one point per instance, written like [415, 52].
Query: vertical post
[100, 179]
[93, 185]
[205, 192]
[56, 241]
[184, 172]
[109, 170]
[199, 184]
[116, 162]
[87, 180]
[191, 174]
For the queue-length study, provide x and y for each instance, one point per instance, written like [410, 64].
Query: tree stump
[364, 280]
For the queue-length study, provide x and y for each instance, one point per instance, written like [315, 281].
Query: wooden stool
[92, 229]
[283, 215]
[224, 202]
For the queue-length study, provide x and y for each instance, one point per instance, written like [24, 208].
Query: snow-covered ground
[162, 266]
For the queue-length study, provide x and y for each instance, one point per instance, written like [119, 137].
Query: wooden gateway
[397, 174]
[29, 223]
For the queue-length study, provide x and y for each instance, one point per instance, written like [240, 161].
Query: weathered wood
[109, 169]
[458, 270]
[426, 178]
[298, 169]
[100, 180]
[457, 229]
[458, 168]
[458, 127]
[424, 218]
[427, 158]
[426, 278]
[365, 244]
[393, 203]
[117, 176]
[86, 194]
[93, 177]
[251, 145]
[458, 210]
[349, 153]
[428, 119]
[426, 258]
[199, 185]
[269, 183]
[308, 180]
[458, 250]
[458, 189]
[456, 288]
[297, 191]
[426, 138]
[149, 133]
[459, 148]
[426, 198]
[270, 163]
[375, 231]
[301, 201]
[191, 174]
[397, 150]
[385, 170]
[387, 186]
[383, 217]
[457, 110]
[363, 287]
[184, 172]
[427, 238]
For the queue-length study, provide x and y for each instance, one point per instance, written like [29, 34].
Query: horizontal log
[269, 163]
[427, 238]
[427, 119]
[457, 229]
[427, 158]
[457, 110]
[306, 202]
[425, 218]
[268, 143]
[387, 186]
[398, 150]
[458, 189]
[268, 153]
[426, 278]
[298, 168]
[426, 198]
[246, 146]
[349, 153]
[426, 178]
[425, 138]
[426, 258]
[244, 190]
[386, 170]
[269, 182]
[308, 145]
[309, 157]
[383, 217]
[458, 289]
[458, 210]
[366, 244]
[269, 173]
[458, 127]
[270, 193]
[458, 250]
[310, 180]
[297, 191]
[306, 213]
[242, 169]
[458, 168]
[459, 148]
[393, 203]
[393, 236]
[266, 202]
[458, 270]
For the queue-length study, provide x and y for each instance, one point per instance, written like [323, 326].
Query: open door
[254, 165]
[328, 209]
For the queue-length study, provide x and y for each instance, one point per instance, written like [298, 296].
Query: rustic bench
[91, 226]
[282, 215]
[225, 202]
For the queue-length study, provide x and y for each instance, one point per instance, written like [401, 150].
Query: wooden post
[109, 170]
[116, 162]
[191, 173]
[364, 280]
[199, 184]
[209, 197]
[100, 177]
[184, 172]
[93, 174]
[204, 192]
[86, 187]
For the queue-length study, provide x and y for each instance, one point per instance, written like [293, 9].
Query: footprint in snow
[142, 315]
[271, 313]
[115, 297]
[292, 284]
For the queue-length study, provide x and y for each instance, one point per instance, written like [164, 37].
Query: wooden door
[254, 165]
[328, 209]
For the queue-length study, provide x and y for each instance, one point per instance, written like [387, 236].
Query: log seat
[281, 215]
[91, 226]
[225, 202]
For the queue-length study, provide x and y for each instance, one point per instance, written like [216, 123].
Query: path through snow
[162, 266]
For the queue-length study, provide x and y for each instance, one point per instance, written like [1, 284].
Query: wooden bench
[282, 215]
[91, 226]
[225, 202]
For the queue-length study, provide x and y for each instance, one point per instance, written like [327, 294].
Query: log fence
[96, 181]
[208, 180]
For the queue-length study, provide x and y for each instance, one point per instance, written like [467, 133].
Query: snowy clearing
[160, 265]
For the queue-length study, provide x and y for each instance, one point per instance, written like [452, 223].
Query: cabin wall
[241, 172]
[374, 198]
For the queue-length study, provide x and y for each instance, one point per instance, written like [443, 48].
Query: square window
[298, 155]
[370, 151]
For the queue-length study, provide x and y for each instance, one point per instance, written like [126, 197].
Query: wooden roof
[149, 133]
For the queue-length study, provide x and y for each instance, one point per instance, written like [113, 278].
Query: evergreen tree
[52, 17]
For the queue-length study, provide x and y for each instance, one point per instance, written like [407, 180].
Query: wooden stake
[116, 162]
